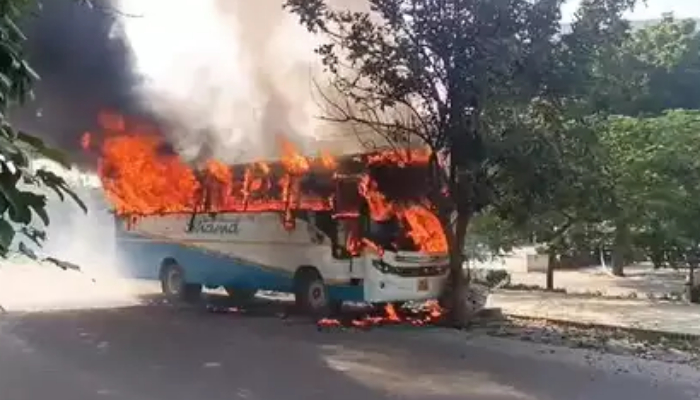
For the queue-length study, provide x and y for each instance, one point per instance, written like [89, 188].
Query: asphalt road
[157, 352]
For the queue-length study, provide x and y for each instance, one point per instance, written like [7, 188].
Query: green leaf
[58, 192]
[59, 186]
[8, 132]
[3, 205]
[21, 215]
[42, 149]
[30, 71]
[75, 198]
[38, 204]
[27, 251]
[64, 265]
[31, 140]
[14, 29]
[9, 150]
[35, 235]
[5, 81]
[7, 235]
[56, 155]
[19, 211]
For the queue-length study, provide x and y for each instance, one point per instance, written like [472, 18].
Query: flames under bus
[324, 253]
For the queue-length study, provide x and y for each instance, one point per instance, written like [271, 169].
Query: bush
[491, 277]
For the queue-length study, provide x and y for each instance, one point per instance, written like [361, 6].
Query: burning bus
[353, 228]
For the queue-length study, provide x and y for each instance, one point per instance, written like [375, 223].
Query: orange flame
[328, 161]
[379, 208]
[428, 313]
[426, 229]
[112, 122]
[141, 176]
[391, 314]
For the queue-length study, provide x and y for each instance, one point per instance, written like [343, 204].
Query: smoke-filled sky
[222, 77]
[236, 73]
[82, 71]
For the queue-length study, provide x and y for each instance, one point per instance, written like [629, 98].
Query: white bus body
[246, 252]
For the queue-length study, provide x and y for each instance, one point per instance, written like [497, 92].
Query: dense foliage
[628, 188]
[23, 199]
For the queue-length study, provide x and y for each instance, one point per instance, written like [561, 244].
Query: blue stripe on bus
[141, 258]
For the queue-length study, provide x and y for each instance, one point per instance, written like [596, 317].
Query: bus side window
[340, 250]
[364, 221]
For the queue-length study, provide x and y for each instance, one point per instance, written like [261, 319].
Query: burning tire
[311, 293]
[240, 295]
[174, 285]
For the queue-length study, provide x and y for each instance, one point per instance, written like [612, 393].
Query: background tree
[557, 170]
[629, 73]
[659, 166]
[666, 58]
[458, 76]
[22, 188]
[653, 69]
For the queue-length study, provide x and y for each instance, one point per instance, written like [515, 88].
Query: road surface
[158, 352]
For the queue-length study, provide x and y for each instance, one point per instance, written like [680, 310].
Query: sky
[242, 70]
[653, 9]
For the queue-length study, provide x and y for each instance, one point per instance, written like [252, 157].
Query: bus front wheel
[311, 293]
[174, 285]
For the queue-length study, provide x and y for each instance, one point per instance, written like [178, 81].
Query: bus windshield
[390, 235]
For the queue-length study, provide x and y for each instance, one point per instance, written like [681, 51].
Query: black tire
[311, 294]
[398, 305]
[240, 295]
[174, 285]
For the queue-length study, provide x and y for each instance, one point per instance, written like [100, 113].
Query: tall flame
[141, 176]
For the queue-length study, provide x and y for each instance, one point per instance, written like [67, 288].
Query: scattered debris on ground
[670, 348]
[673, 297]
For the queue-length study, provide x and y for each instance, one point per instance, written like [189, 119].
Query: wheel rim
[174, 281]
[317, 295]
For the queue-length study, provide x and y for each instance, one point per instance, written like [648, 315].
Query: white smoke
[228, 76]
[84, 239]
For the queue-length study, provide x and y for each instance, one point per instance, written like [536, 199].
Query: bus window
[343, 243]
[384, 233]
[391, 234]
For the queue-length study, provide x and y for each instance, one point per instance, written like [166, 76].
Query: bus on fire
[354, 231]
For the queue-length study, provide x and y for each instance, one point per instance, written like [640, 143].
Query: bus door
[347, 208]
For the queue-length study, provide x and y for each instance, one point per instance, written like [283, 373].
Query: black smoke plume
[84, 68]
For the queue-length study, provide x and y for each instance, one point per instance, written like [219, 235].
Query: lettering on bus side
[216, 227]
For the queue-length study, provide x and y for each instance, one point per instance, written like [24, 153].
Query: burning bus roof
[142, 177]
[139, 178]
[351, 163]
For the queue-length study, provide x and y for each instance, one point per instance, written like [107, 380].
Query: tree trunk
[555, 243]
[693, 293]
[455, 290]
[551, 264]
[657, 259]
[621, 247]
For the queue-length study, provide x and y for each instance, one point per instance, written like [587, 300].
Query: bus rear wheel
[174, 285]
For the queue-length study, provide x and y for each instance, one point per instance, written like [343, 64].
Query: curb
[652, 334]
[589, 296]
